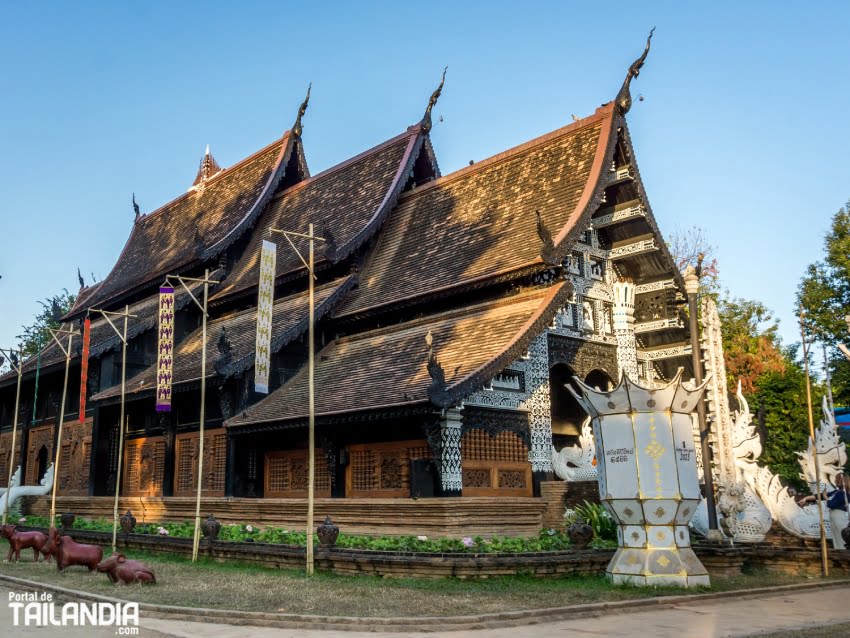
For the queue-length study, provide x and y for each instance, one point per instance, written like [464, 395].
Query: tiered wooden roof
[351, 200]
[198, 225]
[103, 337]
[478, 224]
[290, 322]
[388, 368]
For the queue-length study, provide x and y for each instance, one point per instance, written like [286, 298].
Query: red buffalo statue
[23, 540]
[121, 569]
[68, 552]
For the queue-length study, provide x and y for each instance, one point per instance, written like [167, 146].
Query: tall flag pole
[265, 305]
[84, 368]
[169, 334]
[823, 551]
[311, 470]
[165, 356]
[67, 352]
[17, 364]
[122, 421]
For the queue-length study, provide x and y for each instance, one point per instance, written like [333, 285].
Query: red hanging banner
[84, 368]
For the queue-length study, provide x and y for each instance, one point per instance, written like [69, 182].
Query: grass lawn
[252, 588]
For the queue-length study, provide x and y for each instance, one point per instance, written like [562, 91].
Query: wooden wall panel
[186, 447]
[144, 466]
[286, 474]
[495, 465]
[382, 469]
[6, 456]
[38, 437]
[74, 460]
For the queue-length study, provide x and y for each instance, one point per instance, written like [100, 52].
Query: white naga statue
[749, 505]
[577, 462]
[16, 491]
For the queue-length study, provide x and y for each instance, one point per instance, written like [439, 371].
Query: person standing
[836, 502]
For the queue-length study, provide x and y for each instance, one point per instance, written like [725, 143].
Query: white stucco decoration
[575, 463]
[647, 477]
[832, 453]
[17, 491]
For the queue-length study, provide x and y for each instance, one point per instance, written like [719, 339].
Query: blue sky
[741, 130]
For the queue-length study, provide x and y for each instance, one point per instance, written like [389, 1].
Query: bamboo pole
[122, 426]
[197, 538]
[12, 455]
[59, 433]
[312, 417]
[823, 550]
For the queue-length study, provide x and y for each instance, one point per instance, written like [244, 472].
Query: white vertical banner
[265, 304]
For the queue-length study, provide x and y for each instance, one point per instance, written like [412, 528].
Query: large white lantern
[647, 474]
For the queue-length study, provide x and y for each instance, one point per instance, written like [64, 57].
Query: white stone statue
[832, 454]
[763, 491]
[17, 491]
[576, 462]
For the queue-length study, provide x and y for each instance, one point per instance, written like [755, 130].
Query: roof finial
[296, 128]
[426, 119]
[624, 98]
[136, 207]
[207, 169]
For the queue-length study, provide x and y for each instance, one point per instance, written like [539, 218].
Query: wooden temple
[522, 271]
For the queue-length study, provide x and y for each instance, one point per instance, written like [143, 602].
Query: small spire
[426, 119]
[297, 128]
[207, 169]
[624, 97]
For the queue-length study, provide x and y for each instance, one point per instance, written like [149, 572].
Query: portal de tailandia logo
[38, 609]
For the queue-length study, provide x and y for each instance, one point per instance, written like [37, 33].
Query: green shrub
[595, 515]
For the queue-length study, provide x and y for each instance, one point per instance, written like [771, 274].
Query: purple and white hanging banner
[265, 303]
[165, 357]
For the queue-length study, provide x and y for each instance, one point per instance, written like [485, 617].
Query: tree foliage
[824, 294]
[751, 344]
[691, 247]
[37, 334]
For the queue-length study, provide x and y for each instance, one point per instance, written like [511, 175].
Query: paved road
[725, 618]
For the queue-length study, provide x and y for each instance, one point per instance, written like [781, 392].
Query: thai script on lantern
[620, 455]
[685, 452]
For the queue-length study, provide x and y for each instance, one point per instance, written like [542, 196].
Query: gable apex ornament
[426, 123]
[547, 250]
[624, 97]
[297, 127]
[136, 208]
[206, 170]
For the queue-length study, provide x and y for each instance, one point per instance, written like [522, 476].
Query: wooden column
[95, 432]
[230, 466]
[168, 433]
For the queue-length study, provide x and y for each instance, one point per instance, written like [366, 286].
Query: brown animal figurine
[23, 540]
[120, 569]
[68, 552]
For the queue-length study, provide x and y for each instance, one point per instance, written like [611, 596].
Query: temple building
[451, 313]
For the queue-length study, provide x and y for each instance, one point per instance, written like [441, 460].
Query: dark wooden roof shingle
[351, 200]
[290, 321]
[387, 368]
[480, 222]
[196, 225]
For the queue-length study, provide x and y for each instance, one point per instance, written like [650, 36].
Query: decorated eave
[626, 225]
[348, 203]
[198, 226]
[473, 228]
[230, 343]
[392, 370]
[103, 337]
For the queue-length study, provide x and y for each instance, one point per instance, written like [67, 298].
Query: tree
[37, 335]
[751, 343]
[689, 248]
[824, 294]
[782, 396]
